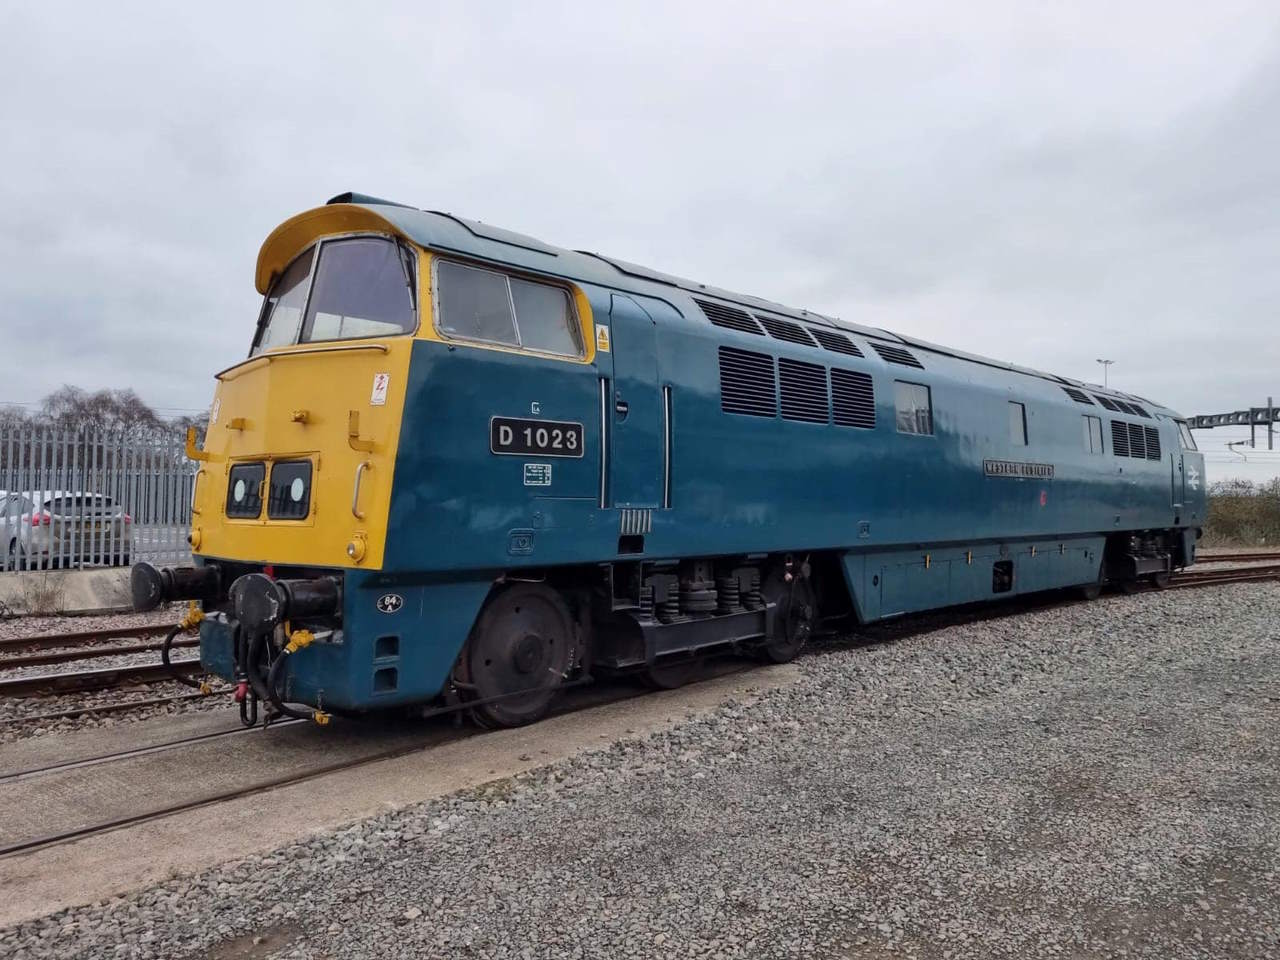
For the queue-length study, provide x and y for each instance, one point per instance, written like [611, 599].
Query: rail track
[337, 766]
[1212, 578]
[146, 673]
[106, 709]
[583, 697]
[52, 641]
[1238, 557]
[137, 751]
[103, 678]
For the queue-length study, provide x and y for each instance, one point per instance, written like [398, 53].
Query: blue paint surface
[916, 520]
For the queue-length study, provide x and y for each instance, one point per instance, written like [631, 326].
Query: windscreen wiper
[408, 273]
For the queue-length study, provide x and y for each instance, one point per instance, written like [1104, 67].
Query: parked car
[52, 528]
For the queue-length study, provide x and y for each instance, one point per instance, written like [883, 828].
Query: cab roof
[437, 230]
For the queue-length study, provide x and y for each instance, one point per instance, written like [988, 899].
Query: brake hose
[297, 640]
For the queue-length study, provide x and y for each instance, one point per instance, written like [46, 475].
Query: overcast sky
[1043, 183]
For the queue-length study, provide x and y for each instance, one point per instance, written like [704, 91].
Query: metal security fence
[79, 499]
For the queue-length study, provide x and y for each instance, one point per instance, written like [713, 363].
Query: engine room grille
[747, 384]
[786, 330]
[1119, 438]
[896, 355]
[804, 391]
[732, 318]
[1107, 404]
[1137, 441]
[1153, 443]
[836, 342]
[853, 399]
[1079, 396]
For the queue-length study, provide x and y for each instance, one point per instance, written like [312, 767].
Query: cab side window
[491, 307]
[1092, 434]
[914, 407]
[1184, 433]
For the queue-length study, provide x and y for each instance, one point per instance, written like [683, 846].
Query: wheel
[794, 615]
[1130, 587]
[519, 651]
[1159, 581]
[672, 674]
[1091, 591]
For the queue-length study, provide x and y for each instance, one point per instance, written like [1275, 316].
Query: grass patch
[1243, 513]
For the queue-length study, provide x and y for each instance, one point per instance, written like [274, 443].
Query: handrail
[355, 493]
[243, 365]
[193, 453]
[353, 434]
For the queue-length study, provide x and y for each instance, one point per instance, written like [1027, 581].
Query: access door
[634, 410]
[1178, 467]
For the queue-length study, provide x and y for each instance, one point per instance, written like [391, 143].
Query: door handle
[622, 407]
[355, 493]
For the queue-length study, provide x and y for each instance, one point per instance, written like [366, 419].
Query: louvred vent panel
[731, 318]
[853, 399]
[803, 387]
[747, 384]
[892, 354]
[786, 330]
[1079, 396]
[836, 342]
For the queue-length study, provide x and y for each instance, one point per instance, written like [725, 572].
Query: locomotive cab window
[282, 310]
[1017, 424]
[363, 288]
[491, 307]
[914, 407]
[343, 289]
[1184, 434]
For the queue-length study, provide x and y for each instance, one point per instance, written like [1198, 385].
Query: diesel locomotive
[461, 469]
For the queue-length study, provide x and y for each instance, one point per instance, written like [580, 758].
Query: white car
[50, 528]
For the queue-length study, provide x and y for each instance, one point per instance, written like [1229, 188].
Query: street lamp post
[1105, 365]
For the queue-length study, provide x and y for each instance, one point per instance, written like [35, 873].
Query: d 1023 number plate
[519, 437]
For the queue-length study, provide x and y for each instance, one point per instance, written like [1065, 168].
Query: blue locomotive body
[716, 451]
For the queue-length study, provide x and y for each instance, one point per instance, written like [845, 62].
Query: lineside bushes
[1243, 513]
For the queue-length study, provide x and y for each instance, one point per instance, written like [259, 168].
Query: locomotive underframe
[628, 616]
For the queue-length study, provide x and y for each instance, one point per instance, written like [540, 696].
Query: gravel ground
[14, 711]
[1084, 780]
[166, 616]
[146, 658]
[17, 713]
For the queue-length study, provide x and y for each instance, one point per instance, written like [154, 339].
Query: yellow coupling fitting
[321, 718]
[206, 687]
[192, 617]
[299, 639]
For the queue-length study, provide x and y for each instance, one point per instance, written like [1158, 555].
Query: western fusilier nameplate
[1018, 469]
[520, 437]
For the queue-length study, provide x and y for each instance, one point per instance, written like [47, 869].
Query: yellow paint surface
[266, 393]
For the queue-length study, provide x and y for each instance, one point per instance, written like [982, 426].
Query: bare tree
[200, 422]
[118, 412]
[11, 418]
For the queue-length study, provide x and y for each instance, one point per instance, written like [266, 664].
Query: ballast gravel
[1081, 781]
